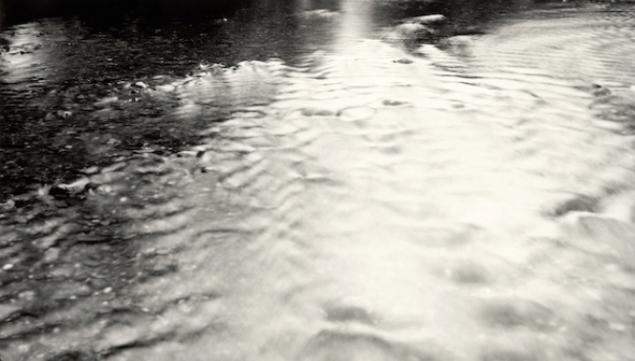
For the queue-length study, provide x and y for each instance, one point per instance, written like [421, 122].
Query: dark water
[319, 180]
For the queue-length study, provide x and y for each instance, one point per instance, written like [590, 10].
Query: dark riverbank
[109, 11]
[16, 11]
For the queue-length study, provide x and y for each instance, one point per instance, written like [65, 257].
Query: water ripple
[468, 203]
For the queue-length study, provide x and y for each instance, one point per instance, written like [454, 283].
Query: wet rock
[64, 114]
[200, 153]
[51, 254]
[7, 310]
[392, 103]
[167, 88]
[75, 187]
[513, 313]
[311, 112]
[616, 234]
[79, 187]
[457, 45]
[468, 30]
[469, 273]
[343, 313]
[73, 356]
[58, 192]
[580, 203]
[350, 346]
[91, 170]
[141, 85]
[412, 29]
[8, 205]
[600, 90]
[62, 271]
[320, 14]
[91, 237]
[508, 355]
[106, 101]
[118, 336]
[69, 290]
[403, 61]
[429, 19]
[27, 296]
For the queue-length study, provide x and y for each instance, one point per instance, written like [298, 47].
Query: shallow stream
[321, 180]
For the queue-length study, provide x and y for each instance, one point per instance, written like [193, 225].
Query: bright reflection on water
[377, 196]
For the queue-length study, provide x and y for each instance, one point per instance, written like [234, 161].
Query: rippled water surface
[321, 180]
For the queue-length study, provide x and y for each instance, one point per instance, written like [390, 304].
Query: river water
[321, 180]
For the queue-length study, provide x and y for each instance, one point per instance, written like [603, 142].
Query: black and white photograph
[317, 180]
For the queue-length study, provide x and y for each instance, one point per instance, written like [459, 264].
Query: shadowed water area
[318, 180]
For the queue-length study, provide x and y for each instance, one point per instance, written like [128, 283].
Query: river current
[322, 180]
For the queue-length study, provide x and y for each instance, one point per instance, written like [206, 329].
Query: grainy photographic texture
[317, 180]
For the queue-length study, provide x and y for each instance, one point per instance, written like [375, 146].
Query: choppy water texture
[352, 184]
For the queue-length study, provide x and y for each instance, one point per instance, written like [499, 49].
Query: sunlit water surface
[370, 195]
